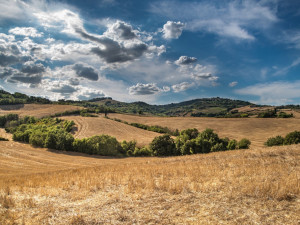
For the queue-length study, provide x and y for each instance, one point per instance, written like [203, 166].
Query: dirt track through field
[37, 110]
[258, 130]
[90, 126]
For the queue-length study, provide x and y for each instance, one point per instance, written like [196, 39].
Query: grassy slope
[258, 186]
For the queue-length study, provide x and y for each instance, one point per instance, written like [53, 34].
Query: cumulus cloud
[185, 60]
[233, 84]
[65, 89]
[144, 89]
[85, 71]
[231, 19]
[172, 30]
[122, 30]
[26, 31]
[182, 86]
[275, 93]
[31, 68]
[115, 53]
[85, 93]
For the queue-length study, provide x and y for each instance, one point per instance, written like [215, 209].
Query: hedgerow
[55, 134]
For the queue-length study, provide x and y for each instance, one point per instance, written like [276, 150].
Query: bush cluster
[191, 141]
[55, 134]
[289, 139]
[7, 118]
[47, 133]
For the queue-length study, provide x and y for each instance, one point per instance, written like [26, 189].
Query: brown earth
[90, 126]
[257, 130]
[258, 186]
[37, 110]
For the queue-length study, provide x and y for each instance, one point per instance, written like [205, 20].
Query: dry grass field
[258, 186]
[257, 130]
[89, 126]
[37, 110]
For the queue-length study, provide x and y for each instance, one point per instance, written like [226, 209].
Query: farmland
[37, 110]
[257, 130]
[244, 186]
[256, 186]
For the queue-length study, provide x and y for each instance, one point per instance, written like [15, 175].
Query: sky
[156, 51]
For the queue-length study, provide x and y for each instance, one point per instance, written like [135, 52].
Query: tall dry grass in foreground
[239, 187]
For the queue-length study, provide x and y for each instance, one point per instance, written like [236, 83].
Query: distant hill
[197, 107]
[7, 98]
[212, 107]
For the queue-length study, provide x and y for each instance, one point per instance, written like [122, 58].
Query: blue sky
[153, 51]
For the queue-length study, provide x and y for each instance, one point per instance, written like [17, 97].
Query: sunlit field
[256, 186]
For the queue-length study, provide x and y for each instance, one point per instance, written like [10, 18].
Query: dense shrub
[7, 118]
[128, 147]
[244, 144]
[232, 144]
[47, 132]
[163, 146]
[292, 138]
[278, 140]
[99, 145]
[284, 115]
[142, 152]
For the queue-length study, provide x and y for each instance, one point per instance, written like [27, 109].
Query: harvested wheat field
[258, 186]
[257, 130]
[89, 126]
[37, 110]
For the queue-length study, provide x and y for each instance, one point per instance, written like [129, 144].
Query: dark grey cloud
[112, 51]
[85, 71]
[8, 59]
[32, 68]
[63, 89]
[25, 78]
[6, 72]
[144, 89]
[74, 81]
[185, 60]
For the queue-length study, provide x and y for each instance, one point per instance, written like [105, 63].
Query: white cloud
[232, 19]
[233, 84]
[172, 30]
[185, 60]
[182, 86]
[26, 31]
[275, 93]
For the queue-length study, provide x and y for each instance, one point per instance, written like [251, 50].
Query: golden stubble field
[37, 110]
[258, 186]
[89, 126]
[257, 130]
